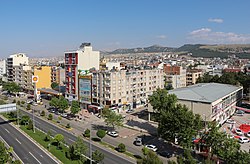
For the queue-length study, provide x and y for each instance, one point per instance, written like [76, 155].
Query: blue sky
[50, 27]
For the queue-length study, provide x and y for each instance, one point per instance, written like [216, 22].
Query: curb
[35, 142]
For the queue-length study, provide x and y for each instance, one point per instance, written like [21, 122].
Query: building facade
[83, 59]
[15, 60]
[175, 76]
[192, 76]
[44, 76]
[2, 67]
[212, 101]
[125, 87]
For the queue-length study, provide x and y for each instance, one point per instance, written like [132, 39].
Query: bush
[50, 117]
[22, 102]
[145, 150]
[28, 107]
[30, 125]
[87, 133]
[14, 101]
[18, 102]
[42, 113]
[121, 148]
[101, 133]
[68, 125]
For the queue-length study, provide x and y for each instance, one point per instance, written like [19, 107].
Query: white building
[15, 60]
[213, 101]
[2, 67]
[82, 59]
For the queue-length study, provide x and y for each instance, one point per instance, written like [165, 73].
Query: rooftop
[204, 92]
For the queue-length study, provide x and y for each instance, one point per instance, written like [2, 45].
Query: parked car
[151, 147]
[248, 134]
[238, 132]
[29, 101]
[243, 140]
[34, 103]
[130, 111]
[113, 133]
[138, 141]
[239, 113]
[231, 121]
[64, 115]
[166, 154]
[230, 136]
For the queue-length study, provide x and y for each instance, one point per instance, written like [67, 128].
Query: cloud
[215, 20]
[206, 35]
[161, 36]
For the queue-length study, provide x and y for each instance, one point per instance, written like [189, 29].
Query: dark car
[166, 154]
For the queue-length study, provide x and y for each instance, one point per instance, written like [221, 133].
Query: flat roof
[49, 91]
[204, 92]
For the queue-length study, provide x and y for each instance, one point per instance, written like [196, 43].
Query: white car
[113, 133]
[243, 140]
[231, 121]
[230, 136]
[238, 132]
[151, 147]
[248, 134]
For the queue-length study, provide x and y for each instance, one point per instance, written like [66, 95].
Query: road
[27, 151]
[110, 157]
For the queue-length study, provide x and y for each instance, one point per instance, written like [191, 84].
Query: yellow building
[44, 76]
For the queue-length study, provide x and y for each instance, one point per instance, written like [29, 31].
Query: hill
[151, 49]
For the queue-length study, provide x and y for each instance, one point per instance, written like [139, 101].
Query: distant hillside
[151, 49]
[210, 51]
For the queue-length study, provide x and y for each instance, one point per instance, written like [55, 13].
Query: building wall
[23, 77]
[175, 76]
[2, 67]
[44, 76]
[192, 76]
[88, 58]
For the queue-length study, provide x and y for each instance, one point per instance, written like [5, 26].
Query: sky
[44, 28]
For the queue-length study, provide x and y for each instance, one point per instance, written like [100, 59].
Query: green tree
[113, 119]
[59, 119]
[121, 148]
[17, 162]
[101, 133]
[87, 133]
[75, 107]
[30, 125]
[11, 87]
[68, 125]
[54, 102]
[4, 155]
[25, 120]
[54, 85]
[18, 102]
[48, 136]
[14, 101]
[97, 156]
[50, 117]
[28, 107]
[22, 102]
[145, 150]
[151, 158]
[175, 120]
[63, 103]
[78, 150]
[58, 138]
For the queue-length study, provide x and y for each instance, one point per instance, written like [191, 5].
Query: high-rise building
[15, 60]
[80, 60]
[2, 67]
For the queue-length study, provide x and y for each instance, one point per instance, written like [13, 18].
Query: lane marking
[71, 140]
[37, 122]
[53, 130]
[7, 131]
[35, 158]
[41, 155]
[18, 141]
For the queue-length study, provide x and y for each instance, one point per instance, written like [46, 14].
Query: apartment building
[193, 75]
[125, 87]
[175, 76]
[82, 59]
[57, 75]
[15, 60]
[2, 67]
[22, 75]
[44, 76]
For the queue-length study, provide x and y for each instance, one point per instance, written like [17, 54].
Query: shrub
[28, 107]
[87, 133]
[18, 102]
[14, 101]
[50, 117]
[30, 125]
[101, 133]
[68, 125]
[145, 150]
[121, 148]
[22, 102]
[42, 113]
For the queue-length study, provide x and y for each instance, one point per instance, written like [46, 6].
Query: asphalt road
[110, 157]
[27, 151]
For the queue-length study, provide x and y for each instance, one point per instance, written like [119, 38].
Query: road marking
[41, 155]
[18, 141]
[71, 140]
[37, 122]
[53, 130]
[35, 158]
[7, 131]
